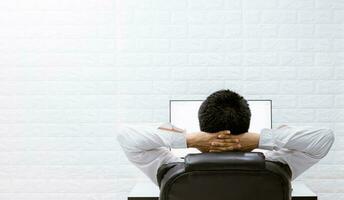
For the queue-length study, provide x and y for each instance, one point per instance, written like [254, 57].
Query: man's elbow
[328, 140]
[122, 134]
[329, 135]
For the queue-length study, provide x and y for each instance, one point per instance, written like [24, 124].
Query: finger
[224, 135]
[225, 148]
[223, 144]
[222, 148]
[226, 132]
[229, 140]
[223, 132]
[237, 147]
[232, 147]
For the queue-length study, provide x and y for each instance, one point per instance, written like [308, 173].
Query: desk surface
[148, 191]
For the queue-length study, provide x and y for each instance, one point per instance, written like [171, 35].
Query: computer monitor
[184, 114]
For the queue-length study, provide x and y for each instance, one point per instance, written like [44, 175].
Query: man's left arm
[300, 148]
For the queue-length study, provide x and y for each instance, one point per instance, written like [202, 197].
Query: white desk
[148, 191]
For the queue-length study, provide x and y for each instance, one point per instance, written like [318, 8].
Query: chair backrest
[225, 176]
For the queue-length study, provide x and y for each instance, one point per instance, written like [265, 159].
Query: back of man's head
[224, 110]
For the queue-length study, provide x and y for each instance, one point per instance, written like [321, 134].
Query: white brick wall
[71, 69]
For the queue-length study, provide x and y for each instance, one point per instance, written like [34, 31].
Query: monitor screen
[184, 114]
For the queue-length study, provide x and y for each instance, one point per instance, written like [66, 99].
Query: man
[224, 119]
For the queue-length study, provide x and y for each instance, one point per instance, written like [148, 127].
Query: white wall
[70, 69]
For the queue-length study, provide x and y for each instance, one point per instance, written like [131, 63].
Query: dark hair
[224, 110]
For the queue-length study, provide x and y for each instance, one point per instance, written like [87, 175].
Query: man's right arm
[148, 146]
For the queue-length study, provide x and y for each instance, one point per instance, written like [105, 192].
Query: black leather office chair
[225, 176]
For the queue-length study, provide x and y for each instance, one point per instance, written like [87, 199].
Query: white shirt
[148, 147]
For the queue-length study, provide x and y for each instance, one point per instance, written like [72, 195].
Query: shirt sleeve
[148, 147]
[300, 148]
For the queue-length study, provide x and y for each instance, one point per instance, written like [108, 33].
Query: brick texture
[70, 70]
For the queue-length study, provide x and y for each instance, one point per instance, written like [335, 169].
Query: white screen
[184, 114]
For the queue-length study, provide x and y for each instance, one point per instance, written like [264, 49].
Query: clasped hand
[222, 141]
